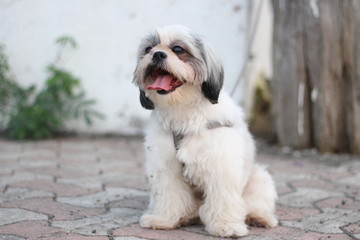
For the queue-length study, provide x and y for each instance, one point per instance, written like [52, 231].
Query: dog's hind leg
[260, 196]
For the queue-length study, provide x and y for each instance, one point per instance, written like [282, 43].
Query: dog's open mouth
[164, 82]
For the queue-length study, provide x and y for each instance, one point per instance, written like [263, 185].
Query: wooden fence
[316, 61]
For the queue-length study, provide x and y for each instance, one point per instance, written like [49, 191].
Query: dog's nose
[158, 56]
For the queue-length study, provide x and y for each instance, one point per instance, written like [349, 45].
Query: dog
[199, 152]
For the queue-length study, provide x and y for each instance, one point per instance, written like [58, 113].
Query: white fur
[218, 162]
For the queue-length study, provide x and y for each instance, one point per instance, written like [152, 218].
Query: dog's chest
[194, 152]
[188, 154]
[193, 174]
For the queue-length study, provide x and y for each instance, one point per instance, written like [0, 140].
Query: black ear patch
[212, 86]
[145, 101]
[211, 91]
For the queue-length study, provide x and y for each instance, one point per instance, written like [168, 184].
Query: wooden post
[290, 87]
[316, 65]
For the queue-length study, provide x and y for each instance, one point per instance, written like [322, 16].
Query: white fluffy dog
[200, 154]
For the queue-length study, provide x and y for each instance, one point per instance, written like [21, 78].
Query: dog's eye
[147, 50]
[178, 50]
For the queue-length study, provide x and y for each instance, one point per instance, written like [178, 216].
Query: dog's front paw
[228, 229]
[157, 222]
[267, 220]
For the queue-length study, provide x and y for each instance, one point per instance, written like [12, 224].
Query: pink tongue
[162, 82]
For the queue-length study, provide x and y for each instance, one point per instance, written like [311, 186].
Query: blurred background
[292, 64]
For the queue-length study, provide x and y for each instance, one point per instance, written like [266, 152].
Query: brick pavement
[96, 189]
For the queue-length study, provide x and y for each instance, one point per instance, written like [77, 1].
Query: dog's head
[175, 66]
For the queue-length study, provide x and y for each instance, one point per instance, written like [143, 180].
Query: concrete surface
[96, 189]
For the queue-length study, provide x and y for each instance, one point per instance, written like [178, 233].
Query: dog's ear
[213, 83]
[211, 90]
[145, 101]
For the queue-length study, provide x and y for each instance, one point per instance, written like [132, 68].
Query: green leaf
[27, 114]
[66, 40]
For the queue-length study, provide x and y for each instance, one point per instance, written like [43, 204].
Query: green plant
[26, 114]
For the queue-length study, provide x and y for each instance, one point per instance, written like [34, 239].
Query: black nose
[158, 56]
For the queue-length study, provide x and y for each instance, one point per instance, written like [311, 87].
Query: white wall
[108, 32]
[259, 48]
